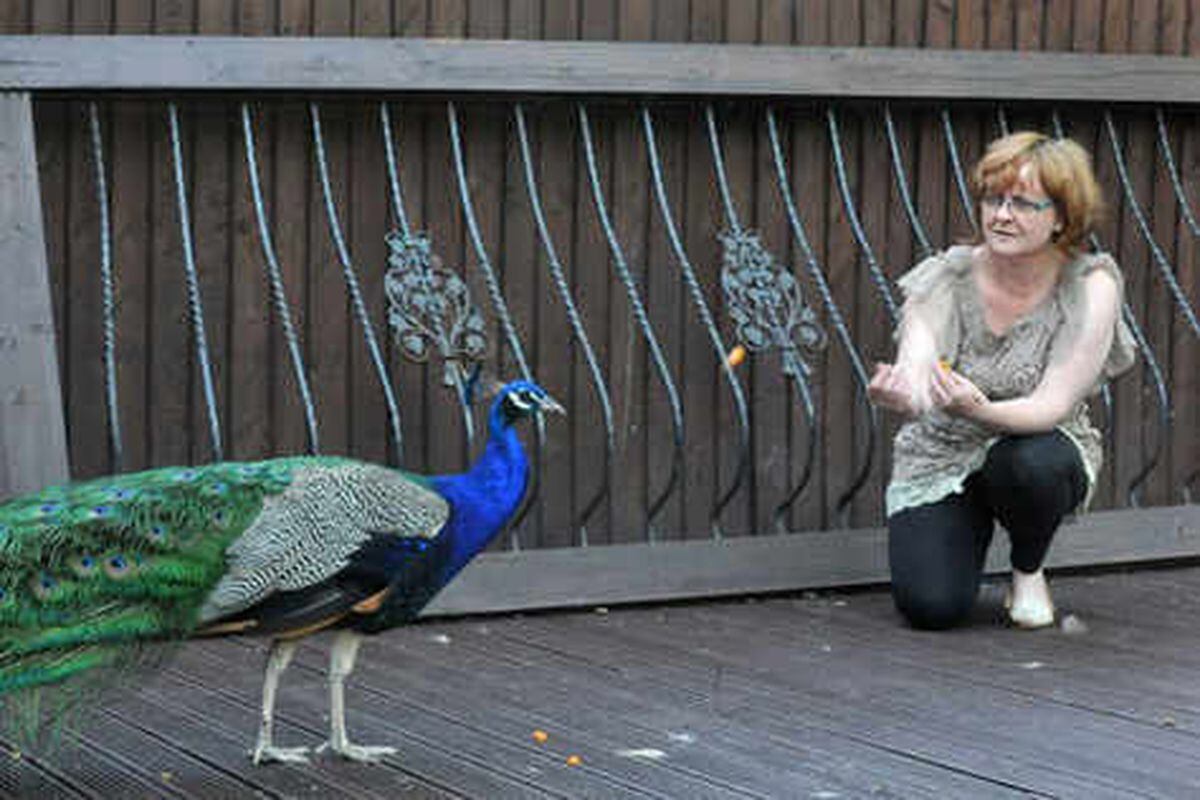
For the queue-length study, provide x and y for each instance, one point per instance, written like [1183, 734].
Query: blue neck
[485, 497]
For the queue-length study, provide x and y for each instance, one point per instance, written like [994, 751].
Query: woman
[1000, 344]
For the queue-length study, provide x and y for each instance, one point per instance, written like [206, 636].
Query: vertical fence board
[337, 337]
[365, 214]
[83, 322]
[32, 435]
[524, 285]
[639, 395]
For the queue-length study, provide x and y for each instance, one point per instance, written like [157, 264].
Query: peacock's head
[520, 399]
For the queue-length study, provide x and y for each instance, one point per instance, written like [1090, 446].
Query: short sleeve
[1123, 350]
[931, 290]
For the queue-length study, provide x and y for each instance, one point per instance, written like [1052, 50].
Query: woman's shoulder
[1085, 264]
[939, 270]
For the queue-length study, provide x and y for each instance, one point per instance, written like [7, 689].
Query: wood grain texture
[33, 446]
[337, 63]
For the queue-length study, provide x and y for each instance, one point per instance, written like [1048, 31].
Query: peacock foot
[357, 752]
[269, 754]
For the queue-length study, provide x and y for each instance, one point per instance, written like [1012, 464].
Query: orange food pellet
[540, 737]
[574, 761]
[736, 356]
[944, 364]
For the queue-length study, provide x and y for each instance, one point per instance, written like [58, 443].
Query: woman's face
[1021, 220]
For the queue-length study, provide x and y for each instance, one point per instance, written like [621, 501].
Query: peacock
[102, 577]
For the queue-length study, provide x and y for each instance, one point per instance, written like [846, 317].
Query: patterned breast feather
[308, 533]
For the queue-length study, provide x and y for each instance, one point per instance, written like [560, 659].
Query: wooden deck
[822, 695]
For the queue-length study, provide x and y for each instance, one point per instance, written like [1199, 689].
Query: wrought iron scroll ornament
[430, 308]
[765, 303]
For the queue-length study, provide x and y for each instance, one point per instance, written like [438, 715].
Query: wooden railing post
[33, 442]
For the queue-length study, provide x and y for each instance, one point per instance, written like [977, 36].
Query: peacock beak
[549, 404]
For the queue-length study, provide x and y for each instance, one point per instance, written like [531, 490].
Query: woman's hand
[891, 389]
[956, 395]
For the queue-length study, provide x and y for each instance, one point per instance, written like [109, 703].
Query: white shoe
[1028, 601]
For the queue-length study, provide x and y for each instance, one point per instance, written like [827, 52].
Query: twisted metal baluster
[1002, 121]
[643, 320]
[389, 150]
[1185, 209]
[697, 296]
[116, 452]
[1152, 366]
[352, 288]
[910, 208]
[960, 180]
[564, 292]
[765, 303]
[1164, 146]
[1160, 258]
[500, 309]
[275, 278]
[1110, 418]
[877, 277]
[861, 378]
[429, 305]
[195, 305]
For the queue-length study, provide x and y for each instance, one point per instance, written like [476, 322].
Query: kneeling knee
[932, 611]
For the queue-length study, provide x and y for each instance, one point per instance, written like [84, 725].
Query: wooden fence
[161, 396]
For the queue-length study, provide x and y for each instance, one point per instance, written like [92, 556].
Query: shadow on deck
[822, 695]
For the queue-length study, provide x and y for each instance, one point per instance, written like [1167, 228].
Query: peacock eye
[83, 565]
[116, 566]
[42, 585]
[3, 594]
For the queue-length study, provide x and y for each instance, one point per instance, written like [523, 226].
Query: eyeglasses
[1019, 204]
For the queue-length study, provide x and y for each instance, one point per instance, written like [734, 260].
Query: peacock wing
[320, 547]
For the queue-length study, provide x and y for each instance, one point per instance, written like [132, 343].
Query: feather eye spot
[121, 494]
[218, 488]
[83, 565]
[116, 566]
[101, 512]
[42, 585]
[50, 508]
[185, 475]
[158, 532]
[220, 518]
[3, 594]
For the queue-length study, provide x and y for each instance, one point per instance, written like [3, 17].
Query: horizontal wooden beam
[608, 575]
[170, 63]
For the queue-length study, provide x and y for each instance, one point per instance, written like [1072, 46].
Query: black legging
[937, 551]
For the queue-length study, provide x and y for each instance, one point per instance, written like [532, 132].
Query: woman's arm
[916, 357]
[1065, 382]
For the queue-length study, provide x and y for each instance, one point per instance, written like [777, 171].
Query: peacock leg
[265, 752]
[341, 664]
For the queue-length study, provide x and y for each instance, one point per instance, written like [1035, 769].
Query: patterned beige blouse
[935, 453]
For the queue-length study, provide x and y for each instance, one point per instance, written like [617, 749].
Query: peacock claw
[356, 752]
[269, 754]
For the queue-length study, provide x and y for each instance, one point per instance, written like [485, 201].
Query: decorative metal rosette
[429, 307]
[765, 303]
